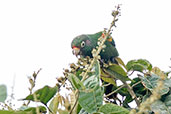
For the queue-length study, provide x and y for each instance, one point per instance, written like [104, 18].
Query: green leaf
[26, 110]
[42, 109]
[168, 102]
[160, 107]
[139, 65]
[107, 78]
[43, 95]
[92, 97]
[94, 78]
[75, 81]
[113, 109]
[3, 93]
[82, 111]
[119, 60]
[117, 72]
[150, 82]
[145, 63]
[15, 112]
[54, 104]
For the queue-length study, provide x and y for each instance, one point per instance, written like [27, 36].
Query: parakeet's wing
[110, 39]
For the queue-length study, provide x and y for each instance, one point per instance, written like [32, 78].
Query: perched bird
[84, 44]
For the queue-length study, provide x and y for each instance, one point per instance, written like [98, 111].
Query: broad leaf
[150, 82]
[145, 63]
[113, 109]
[117, 72]
[3, 93]
[139, 65]
[159, 107]
[92, 97]
[43, 95]
[119, 60]
[107, 78]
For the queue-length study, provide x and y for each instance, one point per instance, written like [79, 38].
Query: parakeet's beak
[75, 50]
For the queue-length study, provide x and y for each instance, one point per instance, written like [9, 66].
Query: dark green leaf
[3, 93]
[117, 72]
[43, 95]
[113, 109]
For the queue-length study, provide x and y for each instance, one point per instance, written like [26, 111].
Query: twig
[132, 93]
[76, 92]
[131, 73]
[49, 109]
[136, 84]
[95, 57]
[35, 99]
[32, 82]
[114, 91]
[106, 85]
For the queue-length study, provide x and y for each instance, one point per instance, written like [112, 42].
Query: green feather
[91, 40]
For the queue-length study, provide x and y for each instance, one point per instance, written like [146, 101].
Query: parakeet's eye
[82, 44]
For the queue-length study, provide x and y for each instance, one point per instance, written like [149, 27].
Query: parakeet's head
[82, 45]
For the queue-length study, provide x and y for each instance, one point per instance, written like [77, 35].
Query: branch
[132, 93]
[33, 83]
[75, 104]
[95, 57]
[136, 84]
[114, 91]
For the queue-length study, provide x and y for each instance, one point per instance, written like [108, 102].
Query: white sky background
[37, 34]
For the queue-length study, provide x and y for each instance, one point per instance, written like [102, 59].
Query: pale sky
[37, 34]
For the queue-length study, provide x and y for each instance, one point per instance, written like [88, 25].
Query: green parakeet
[84, 44]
